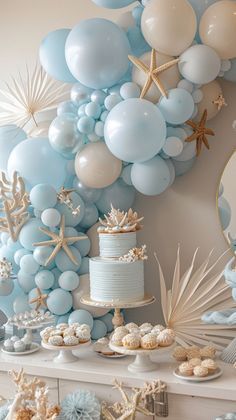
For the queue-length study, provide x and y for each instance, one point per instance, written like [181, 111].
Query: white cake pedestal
[142, 362]
[118, 318]
[65, 354]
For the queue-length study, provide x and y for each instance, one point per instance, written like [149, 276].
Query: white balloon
[84, 290]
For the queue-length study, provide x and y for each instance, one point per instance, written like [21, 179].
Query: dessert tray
[193, 378]
[103, 350]
[34, 347]
[142, 362]
[65, 352]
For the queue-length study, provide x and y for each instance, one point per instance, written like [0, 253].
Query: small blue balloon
[62, 319]
[80, 94]
[64, 136]
[69, 280]
[21, 304]
[6, 287]
[104, 116]
[181, 167]
[84, 245]
[70, 219]
[64, 263]
[13, 246]
[129, 90]
[107, 319]
[59, 302]
[229, 75]
[81, 110]
[98, 96]
[119, 194]
[82, 317]
[89, 195]
[44, 279]
[112, 100]
[86, 125]
[56, 274]
[31, 234]
[90, 216]
[4, 237]
[224, 212]
[113, 4]
[84, 267]
[52, 55]
[26, 281]
[51, 217]
[99, 128]
[10, 136]
[28, 264]
[66, 107]
[42, 253]
[93, 109]
[178, 107]
[99, 329]
[151, 177]
[19, 254]
[43, 196]
[126, 175]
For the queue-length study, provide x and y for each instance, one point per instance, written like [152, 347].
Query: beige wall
[186, 213]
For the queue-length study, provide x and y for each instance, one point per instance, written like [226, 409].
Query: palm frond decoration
[21, 100]
[191, 295]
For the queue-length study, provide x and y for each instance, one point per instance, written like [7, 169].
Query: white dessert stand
[193, 378]
[118, 318]
[142, 362]
[65, 352]
[34, 347]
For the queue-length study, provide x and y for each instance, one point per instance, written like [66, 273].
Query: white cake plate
[34, 347]
[65, 352]
[142, 362]
[193, 378]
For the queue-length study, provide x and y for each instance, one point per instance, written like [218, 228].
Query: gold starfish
[64, 198]
[40, 300]
[152, 72]
[220, 102]
[60, 241]
[199, 133]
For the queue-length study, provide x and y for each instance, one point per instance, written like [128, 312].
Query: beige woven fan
[191, 295]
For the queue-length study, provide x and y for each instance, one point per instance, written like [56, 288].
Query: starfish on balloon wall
[152, 72]
[199, 133]
[220, 102]
[60, 241]
[40, 300]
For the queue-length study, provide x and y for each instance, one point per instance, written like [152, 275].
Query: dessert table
[187, 401]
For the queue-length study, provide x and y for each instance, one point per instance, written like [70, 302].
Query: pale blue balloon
[126, 174]
[28, 264]
[70, 219]
[99, 329]
[6, 304]
[84, 266]
[84, 245]
[178, 107]
[86, 125]
[107, 319]
[51, 217]
[30, 234]
[119, 194]
[21, 304]
[26, 281]
[37, 163]
[113, 4]
[80, 94]
[41, 255]
[13, 246]
[67, 107]
[6, 287]
[52, 55]
[93, 109]
[231, 74]
[200, 6]
[224, 212]
[151, 177]
[99, 129]
[4, 237]
[19, 254]
[130, 90]
[62, 319]
[98, 96]
[10, 136]
[59, 302]
[64, 136]
[56, 274]
[181, 167]
[90, 216]
[69, 280]
[97, 53]
[64, 263]
[43, 196]
[82, 317]
[89, 195]
[135, 130]
[44, 279]
[112, 100]
[138, 44]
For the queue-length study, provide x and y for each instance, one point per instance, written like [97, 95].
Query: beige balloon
[211, 91]
[169, 26]
[92, 233]
[169, 78]
[96, 167]
[218, 28]
[84, 290]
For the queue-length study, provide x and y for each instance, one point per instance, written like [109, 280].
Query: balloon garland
[143, 92]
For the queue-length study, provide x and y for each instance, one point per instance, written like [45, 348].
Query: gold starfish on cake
[40, 300]
[220, 102]
[60, 241]
[199, 133]
[152, 72]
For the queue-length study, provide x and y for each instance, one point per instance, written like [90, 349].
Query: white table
[187, 401]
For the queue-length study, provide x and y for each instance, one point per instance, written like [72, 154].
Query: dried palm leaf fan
[191, 295]
[27, 96]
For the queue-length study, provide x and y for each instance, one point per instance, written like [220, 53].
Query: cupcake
[56, 332]
[208, 352]
[131, 326]
[146, 327]
[195, 362]
[186, 369]
[63, 326]
[210, 365]
[117, 338]
[55, 340]
[19, 346]
[157, 329]
[83, 334]
[180, 354]
[122, 329]
[131, 341]
[71, 340]
[14, 338]
[165, 338]
[8, 345]
[68, 331]
[200, 371]
[84, 327]
[149, 342]
[27, 342]
[193, 352]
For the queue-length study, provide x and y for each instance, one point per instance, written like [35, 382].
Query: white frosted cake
[117, 275]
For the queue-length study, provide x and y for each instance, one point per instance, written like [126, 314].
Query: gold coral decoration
[15, 202]
[190, 296]
[118, 221]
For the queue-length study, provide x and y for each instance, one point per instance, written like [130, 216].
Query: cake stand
[65, 352]
[118, 319]
[142, 362]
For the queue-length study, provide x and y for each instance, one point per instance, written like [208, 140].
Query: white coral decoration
[5, 269]
[135, 254]
[119, 221]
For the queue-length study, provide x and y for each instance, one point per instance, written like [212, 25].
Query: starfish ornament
[199, 133]
[60, 241]
[152, 72]
[64, 198]
[40, 300]
[220, 102]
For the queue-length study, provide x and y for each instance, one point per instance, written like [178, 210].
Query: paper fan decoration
[192, 294]
[26, 96]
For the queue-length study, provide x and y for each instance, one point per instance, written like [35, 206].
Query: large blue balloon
[97, 53]
[6, 303]
[37, 163]
[113, 4]
[178, 107]
[10, 136]
[135, 130]
[119, 194]
[52, 55]
[151, 177]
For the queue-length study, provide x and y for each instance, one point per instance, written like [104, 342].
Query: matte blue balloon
[28, 264]
[7, 304]
[37, 163]
[97, 53]
[4, 237]
[178, 107]
[13, 246]
[151, 177]
[99, 129]
[44, 279]
[52, 55]
[64, 263]
[59, 302]
[99, 329]
[129, 90]
[67, 107]
[19, 254]
[224, 212]
[56, 274]
[82, 317]
[31, 234]
[126, 175]
[10, 136]
[104, 116]
[98, 96]
[70, 219]
[84, 245]
[42, 253]
[113, 4]
[26, 281]
[84, 267]
[229, 75]
[93, 109]
[86, 125]
[6, 287]
[80, 94]
[90, 216]
[112, 100]
[43, 196]
[21, 304]
[64, 136]
[200, 6]
[62, 319]
[51, 217]
[89, 195]
[69, 280]
[181, 167]
[137, 42]
[135, 130]
[119, 194]
[107, 319]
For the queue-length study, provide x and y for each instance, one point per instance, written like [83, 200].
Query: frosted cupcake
[186, 369]
[19, 346]
[8, 345]
[68, 331]
[193, 352]
[146, 327]
[131, 341]
[180, 354]
[117, 338]
[14, 338]
[210, 365]
[131, 326]
[55, 340]
[121, 329]
[83, 334]
[200, 371]
[71, 340]
[195, 362]
[149, 342]
[165, 338]
[208, 352]
[157, 329]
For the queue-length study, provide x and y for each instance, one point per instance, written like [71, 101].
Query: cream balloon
[211, 92]
[96, 166]
[169, 26]
[84, 290]
[218, 28]
[169, 78]
[92, 233]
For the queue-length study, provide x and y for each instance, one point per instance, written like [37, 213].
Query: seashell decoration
[135, 254]
[120, 222]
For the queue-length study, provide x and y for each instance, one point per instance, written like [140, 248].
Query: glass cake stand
[118, 319]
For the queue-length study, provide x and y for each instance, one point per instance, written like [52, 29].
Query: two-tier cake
[117, 275]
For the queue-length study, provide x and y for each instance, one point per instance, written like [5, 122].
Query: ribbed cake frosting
[114, 245]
